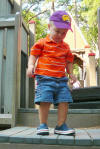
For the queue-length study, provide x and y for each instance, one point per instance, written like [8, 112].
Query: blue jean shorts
[52, 90]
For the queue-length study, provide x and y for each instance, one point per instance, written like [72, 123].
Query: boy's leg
[62, 127]
[43, 112]
[62, 113]
[43, 116]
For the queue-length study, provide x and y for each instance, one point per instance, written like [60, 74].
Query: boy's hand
[73, 78]
[30, 71]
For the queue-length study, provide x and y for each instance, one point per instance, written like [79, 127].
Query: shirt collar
[48, 39]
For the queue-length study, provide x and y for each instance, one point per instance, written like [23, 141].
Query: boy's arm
[31, 65]
[70, 72]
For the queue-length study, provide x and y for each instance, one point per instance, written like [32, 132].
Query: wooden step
[85, 105]
[5, 119]
[78, 118]
[86, 94]
[21, 136]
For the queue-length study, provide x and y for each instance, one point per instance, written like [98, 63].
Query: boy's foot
[64, 130]
[43, 129]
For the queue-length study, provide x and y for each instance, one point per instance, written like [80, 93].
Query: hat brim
[62, 25]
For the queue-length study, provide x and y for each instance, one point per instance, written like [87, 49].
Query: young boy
[54, 56]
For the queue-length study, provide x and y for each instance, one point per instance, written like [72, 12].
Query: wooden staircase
[83, 116]
[77, 118]
[5, 120]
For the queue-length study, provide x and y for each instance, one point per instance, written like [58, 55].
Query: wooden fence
[13, 62]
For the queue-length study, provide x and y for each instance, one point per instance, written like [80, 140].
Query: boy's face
[57, 34]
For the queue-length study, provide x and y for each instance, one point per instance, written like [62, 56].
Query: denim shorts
[52, 90]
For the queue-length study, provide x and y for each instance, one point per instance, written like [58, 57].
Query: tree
[88, 13]
[85, 10]
[32, 12]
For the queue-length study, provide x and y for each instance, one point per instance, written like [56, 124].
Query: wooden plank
[27, 92]
[5, 7]
[23, 80]
[8, 21]
[85, 105]
[33, 139]
[12, 131]
[17, 65]
[24, 41]
[5, 116]
[65, 140]
[20, 137]
[51, 139]
[86, 94]
[1, 62]
[5, 134]
[54, 111]
[84, 111]
[3, 69]
[5, 42]
[5, 119]
[95, 135]
[6, 24]
[10, 72]
[82, 138]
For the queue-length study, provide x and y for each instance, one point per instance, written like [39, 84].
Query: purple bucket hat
[61, 19]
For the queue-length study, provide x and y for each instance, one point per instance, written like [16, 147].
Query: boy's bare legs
[43, 112]
[62, 113]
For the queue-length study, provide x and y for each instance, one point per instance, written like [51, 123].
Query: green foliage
[87, 18]
[41, 25]
[41, 29]
[76, 70]
[88, 13]
[27, 16]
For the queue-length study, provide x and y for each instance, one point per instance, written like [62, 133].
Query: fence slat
[5, 7]
[9, 72]
[1, 61]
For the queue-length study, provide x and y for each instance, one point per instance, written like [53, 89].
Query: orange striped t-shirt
[52, 57]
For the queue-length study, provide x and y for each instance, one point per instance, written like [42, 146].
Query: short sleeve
[37, 48]
[69, 55]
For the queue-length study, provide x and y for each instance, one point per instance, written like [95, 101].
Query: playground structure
[16, 91]
[84, 57]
